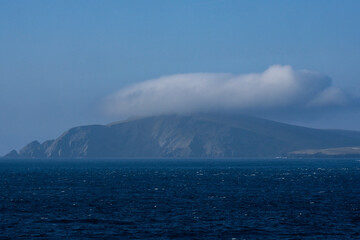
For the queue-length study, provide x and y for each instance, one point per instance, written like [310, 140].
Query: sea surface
[180, 199]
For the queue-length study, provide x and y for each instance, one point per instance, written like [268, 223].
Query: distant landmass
[327, 152]
[194, 136]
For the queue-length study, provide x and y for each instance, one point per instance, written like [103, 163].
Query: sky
[70, 63]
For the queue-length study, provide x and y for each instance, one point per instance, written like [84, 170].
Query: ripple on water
[233, 201]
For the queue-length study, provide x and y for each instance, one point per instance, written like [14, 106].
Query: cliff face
[200, 135]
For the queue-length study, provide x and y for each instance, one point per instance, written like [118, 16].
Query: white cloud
[330, 96]
[277, 87]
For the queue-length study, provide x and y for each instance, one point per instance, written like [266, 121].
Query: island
[194, 136]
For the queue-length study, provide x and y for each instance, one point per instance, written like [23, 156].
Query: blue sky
[60, 59]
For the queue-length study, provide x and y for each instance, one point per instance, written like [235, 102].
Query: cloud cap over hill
[277, 87]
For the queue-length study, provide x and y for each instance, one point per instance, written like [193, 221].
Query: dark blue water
[138, 199]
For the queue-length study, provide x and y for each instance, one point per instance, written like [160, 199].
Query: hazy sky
[69, 63]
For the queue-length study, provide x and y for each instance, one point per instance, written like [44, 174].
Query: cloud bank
[278, 87]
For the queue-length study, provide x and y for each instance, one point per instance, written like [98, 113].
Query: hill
[188, 136]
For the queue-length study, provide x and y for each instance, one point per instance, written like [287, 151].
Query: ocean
[180, 199]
